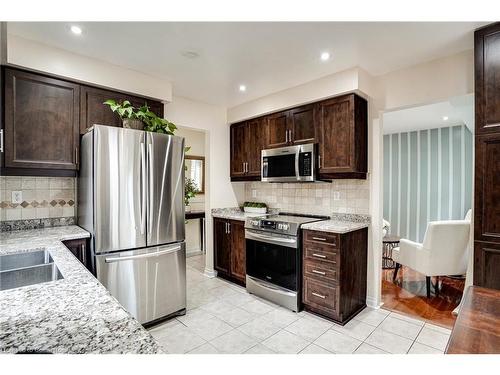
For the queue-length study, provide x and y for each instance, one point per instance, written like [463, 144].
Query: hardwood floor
[408, 296]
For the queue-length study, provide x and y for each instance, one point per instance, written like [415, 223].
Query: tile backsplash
[321, 198]
[42, 197]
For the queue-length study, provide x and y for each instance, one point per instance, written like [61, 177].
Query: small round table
[389, 242]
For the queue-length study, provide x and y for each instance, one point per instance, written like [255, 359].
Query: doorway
[428, 173]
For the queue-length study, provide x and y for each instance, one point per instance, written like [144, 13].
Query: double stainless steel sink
[27, 268]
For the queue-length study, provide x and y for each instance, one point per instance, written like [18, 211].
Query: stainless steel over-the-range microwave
[289, 164]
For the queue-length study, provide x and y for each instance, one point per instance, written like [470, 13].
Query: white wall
[196, 141]
[331, 85]
[34, 55]
[219, 190]
[430, 82]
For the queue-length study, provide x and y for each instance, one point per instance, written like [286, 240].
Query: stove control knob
[255, 223]
[285, 226]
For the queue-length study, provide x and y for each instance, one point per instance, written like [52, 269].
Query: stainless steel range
[274, 257]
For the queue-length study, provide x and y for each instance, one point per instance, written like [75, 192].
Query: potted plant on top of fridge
[140, 118]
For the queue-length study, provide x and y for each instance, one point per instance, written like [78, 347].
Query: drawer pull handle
[319, 272]
[318, 295]
[319, 238]
[319, 256]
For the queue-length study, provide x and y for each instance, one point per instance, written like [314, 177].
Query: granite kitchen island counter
[73, 315]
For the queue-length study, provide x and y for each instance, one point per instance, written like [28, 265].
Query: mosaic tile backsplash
[42, 198]
[321, 198]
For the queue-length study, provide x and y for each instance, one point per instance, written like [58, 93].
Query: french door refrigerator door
[119, 188]
[149, 283]
[165, 189]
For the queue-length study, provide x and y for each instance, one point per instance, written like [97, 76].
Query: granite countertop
[335, 226]
[233, 213]
[72, 315]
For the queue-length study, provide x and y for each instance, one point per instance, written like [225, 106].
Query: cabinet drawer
[319, 295]
[321, 254]
[321, 271]
[329, 239]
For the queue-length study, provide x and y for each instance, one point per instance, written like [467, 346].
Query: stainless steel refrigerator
[131, 199]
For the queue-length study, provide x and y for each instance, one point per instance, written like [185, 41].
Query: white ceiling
[266, 57]
[459, 111]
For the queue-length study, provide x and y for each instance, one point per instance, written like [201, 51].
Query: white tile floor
[223, 318]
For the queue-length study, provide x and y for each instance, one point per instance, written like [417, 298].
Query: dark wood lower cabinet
[81, 250]
[229, 249]
[487, 264]
[334, 273]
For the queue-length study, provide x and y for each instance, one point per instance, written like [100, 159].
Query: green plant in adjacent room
[190, 190]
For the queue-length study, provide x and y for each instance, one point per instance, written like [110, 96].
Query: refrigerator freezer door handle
[144, 184]
[150, 158]
[148, 255]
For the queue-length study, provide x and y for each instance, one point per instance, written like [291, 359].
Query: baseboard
[372, 302]
[210, 273]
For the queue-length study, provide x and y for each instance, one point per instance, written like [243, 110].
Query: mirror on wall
[195, 170]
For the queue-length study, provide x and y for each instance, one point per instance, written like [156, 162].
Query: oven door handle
[289, 242]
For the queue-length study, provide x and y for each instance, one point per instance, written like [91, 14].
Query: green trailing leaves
[152, 122]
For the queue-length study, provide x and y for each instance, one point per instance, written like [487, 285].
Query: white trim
[418, 187]
[390, 178]
[373, 302]
[440, 177]
[210, 273]
[428, 175]
[408, 188]
[462, 171]
[399, 182]
[450, 173]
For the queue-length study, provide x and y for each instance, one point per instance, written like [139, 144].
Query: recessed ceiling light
[445, 118]
[243, 88]
[190, 54]
[325, 56]
[76, 30]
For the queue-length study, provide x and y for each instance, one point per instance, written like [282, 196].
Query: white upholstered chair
[443, 252]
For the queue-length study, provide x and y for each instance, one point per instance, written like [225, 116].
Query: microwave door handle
[297, 172]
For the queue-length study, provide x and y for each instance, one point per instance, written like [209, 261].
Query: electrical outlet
[336, 195]
[254, 193]
[17, 197]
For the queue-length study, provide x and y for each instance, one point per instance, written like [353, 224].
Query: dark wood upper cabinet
[302, 124]
[343, 132]
[41, 122]
[247, 142]
[239, 146]
[44, 116]
[339, 125]
[487, 79]
[487, 157]
[93, 111]
[293, 127]
[277, 129]
[256, 143]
